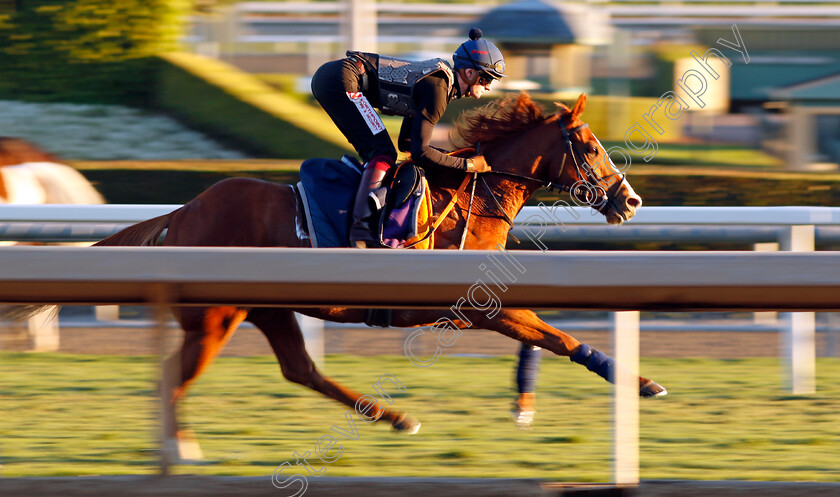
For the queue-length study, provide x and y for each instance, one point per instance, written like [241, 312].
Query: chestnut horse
[526, 148]
[29, 175]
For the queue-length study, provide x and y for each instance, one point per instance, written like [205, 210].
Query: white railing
[608, 280]
[301, 277]
[621, 13]
[617, 9]
[794, 229]
[73, 213]
[558, 215]
[785, 215]
[68, 223]
[439, 27]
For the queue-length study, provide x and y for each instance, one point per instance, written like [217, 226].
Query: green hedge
[86, 50]
[227, 103]
[669, 186]
[664, 185]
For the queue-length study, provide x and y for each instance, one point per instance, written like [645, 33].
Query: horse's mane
[15, 151]
[498, 119]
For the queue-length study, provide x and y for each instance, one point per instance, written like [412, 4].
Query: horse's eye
[593, 150]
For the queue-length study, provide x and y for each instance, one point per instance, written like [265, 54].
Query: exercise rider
[350, 89]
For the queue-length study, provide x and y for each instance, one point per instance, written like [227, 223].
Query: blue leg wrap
[595, 361]
[582, 355]
[526, 372]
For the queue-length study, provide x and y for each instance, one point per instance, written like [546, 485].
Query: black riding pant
[337, 86]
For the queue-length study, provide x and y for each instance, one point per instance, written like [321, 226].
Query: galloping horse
[29, 175]
[527, 149]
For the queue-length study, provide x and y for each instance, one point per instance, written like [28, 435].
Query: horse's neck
[487, 226]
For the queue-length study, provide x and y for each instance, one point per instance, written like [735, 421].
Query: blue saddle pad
[327, 188]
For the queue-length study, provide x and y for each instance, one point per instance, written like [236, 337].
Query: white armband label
[368, 113]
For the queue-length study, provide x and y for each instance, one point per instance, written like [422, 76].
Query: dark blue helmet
[480, 55]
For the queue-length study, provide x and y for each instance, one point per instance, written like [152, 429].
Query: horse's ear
[580, 105]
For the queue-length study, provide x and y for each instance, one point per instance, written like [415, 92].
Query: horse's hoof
[652, 389]
[523, 418]
[406, 424]
[183, 449]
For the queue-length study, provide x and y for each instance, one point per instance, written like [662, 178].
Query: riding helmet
[480, 55]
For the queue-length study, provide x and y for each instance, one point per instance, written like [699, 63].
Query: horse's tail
[24, 312]
[145, 234]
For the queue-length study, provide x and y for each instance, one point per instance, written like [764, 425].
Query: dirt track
[189, 486]
[370, 341]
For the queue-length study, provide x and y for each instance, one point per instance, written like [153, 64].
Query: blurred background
[153, 101]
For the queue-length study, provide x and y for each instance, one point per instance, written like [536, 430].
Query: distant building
[779, 56]
[547, 43]
[813, 134]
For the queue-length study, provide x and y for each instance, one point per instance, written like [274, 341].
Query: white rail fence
[618, 281]
[785, 228]
[620, 13]
[78, 223]
[315, 27]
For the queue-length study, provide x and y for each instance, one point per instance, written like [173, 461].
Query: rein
[500, 209]
[584, 173]
[469, 211]
[590, 192]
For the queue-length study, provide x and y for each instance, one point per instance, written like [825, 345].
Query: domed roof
[544, 22]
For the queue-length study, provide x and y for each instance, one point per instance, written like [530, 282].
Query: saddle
[406, 219]
[325, 195]
[403, 208]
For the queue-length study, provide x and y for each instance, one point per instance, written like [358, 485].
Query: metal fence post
[766, 317]
[43, 330]
[313, 337]
[159, 295]
[831, 346]
[625, 335]
[798, 338]
[360, 24]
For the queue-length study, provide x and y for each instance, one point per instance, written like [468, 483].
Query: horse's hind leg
[526, 327]
[206, 331]
[284, 336]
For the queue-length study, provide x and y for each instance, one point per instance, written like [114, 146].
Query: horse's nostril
[634, 202]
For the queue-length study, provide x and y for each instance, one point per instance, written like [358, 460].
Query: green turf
[719, 156]
[77, 415]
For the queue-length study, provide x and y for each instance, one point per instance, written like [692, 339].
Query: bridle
[588, 189]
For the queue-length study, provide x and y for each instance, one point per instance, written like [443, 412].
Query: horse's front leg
[284, 335]
[525, 326]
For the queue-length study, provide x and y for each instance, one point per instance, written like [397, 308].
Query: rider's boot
[360, 229]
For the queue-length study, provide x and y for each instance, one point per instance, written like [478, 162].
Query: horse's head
[583, 167]
[556, 150]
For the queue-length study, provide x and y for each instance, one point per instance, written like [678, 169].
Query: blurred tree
[86, 50]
